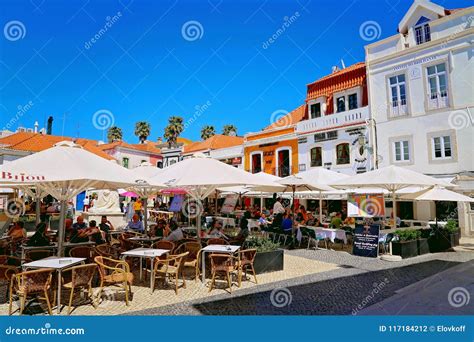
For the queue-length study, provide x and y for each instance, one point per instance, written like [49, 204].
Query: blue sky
[144, 65]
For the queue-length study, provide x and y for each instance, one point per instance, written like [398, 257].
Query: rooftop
[215, 142]
[36, 142]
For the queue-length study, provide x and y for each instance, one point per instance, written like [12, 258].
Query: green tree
[173, 130]
[229, 130]
[142, 130]
[207, 132]
[114, 134]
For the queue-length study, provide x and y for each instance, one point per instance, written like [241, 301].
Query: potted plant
[269, 256]
[422, 241]
[444, 238]
[406, 244]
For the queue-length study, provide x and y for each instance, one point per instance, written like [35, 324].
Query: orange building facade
[274, 150]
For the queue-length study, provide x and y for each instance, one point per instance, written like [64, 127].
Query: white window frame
[397, 108]
[355, 90]
[290, 153]
[442, 146]
[322, 157]
[335, 153]
[437, 99]
[423, 27]
[322, 103]
[251, 160]
[402, 150]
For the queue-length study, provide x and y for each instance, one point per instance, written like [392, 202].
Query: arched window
[316, 157]
[343, 154]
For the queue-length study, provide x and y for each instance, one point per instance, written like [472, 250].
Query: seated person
[216, 230]
[135, 224]
[176, 232]
[312, 221]
[244, 229]
[17, 231]
[91, 233]
[80, 224]
[39, 238]
[68, 228]
[336, 221]
[349, 221]
[287, 224]
[160, 228]
[106, 226]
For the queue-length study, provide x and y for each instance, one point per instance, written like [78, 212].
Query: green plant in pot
[261, 244]
[406, 244]
[269, 258]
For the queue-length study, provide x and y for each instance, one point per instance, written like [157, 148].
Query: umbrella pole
[62, 225]
[394, 210]
[320, 209]
[145, 213]
[38, 208]
[215, 204]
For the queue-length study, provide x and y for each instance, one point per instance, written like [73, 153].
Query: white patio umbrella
[148, 172]
[391, 178]
[64, 171]
[201, 176]
[268, 185]
[437, 193]
[321, 176]
[298, 183]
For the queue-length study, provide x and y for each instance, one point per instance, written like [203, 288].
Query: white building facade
[421, 95]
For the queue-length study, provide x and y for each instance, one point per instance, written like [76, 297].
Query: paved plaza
[314, 282]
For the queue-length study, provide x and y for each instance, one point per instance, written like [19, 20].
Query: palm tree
[142, 130]
[207, 132]
[114, 134]
[229, 130]
[173, 130]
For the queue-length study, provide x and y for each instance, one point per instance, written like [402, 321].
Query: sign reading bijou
[22, 177]
[366, 238]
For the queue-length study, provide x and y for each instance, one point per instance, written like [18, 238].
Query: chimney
[49, 130]
[36, 126]
[160, 140]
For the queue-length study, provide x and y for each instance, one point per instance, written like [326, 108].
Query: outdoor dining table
[230, 249]
[144, 253]
[226, 221]
[330, 233]
[58, 264]
[253, 223]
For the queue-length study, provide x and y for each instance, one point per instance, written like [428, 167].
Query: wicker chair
[106, 250]
[6, 274]
[37, 254]
[170, 267]
[81, 278]
[222, 264]
[114, 273]
[10, 260]
[246, 259]
[83, 252]
[193, 257]
[35, 283]
[164, 244]
[217, 241]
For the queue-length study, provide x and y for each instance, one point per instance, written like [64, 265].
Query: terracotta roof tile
[352, 76]
[36, 142]
[289, 119]
[215, 142]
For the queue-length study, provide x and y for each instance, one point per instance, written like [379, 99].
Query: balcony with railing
[398, 108]
[342, 119]
[437, 100]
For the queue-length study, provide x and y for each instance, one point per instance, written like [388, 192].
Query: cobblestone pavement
[113, 302]
[321, 282]
[358, 283]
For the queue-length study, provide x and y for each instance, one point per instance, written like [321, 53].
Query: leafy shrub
[451, 226]
[261, 244]
[408, 234]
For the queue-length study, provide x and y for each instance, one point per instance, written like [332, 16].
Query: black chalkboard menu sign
[366, 238]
